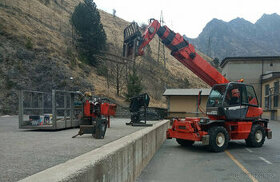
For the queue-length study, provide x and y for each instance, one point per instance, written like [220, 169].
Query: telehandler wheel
[184, 143]
[218, 138]
[256, 137]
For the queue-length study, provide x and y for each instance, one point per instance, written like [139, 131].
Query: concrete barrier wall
[120, 161]
[153, 113]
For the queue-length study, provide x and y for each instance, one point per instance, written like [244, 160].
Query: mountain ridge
[240, 37]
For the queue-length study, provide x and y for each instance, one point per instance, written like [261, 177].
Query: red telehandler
[232, 109]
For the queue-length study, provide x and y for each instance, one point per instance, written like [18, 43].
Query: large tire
[218, 138]
[184, 143]
[256, 137]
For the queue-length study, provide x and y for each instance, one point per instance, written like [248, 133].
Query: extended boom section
[183, 51]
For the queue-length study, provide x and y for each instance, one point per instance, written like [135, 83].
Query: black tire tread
[184, 143]
[250, 141]
[212, 132]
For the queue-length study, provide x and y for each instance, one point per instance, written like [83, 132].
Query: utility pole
[160, 44]
[209, 47]
[161, 49]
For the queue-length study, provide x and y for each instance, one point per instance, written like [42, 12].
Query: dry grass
[49, 30]
[47, 26]
[114, 27]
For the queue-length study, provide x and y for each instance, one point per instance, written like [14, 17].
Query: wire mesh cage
[56, 110]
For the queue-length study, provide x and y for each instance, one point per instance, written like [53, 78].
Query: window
[251, 96]
[267, 89]
[269, 102]
[276, 92]
[266, 102]
[244, 96]
[276, 87]
[216, 96]
[234, 95]
[275, 101]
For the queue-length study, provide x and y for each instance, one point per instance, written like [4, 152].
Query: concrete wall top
[83, 168]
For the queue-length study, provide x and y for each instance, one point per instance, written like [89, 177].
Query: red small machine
[232, 107]
[96, 116]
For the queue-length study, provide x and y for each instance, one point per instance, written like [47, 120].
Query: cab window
[216, 96]
[233, 95]
[251, 96]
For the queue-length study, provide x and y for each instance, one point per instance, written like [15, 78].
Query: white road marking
[249, 150]
[268, 162]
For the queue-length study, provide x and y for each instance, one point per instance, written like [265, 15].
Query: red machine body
[96, 116]
[92, 109]
[222, 124]
[98, 109]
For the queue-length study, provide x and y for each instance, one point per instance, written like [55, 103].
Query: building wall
[270, 111]
[182, 106]
[271, 115]
[250, 71]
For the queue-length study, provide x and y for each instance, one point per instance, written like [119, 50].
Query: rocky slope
[38, 52]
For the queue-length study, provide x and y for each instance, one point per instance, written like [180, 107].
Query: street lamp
[71, 86]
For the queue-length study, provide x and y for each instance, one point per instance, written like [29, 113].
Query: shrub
[102, 70]
[29, 44]
[134, 86]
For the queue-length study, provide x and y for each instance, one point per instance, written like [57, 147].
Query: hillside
[240, 37]
[38, 52]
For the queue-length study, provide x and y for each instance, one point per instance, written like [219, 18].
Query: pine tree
[92, 37]
[134, 86]
[216, 63]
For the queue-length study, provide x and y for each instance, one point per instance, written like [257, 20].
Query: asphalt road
[238, 163]
[26, 152]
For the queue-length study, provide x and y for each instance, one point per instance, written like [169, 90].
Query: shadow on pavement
[197, 147]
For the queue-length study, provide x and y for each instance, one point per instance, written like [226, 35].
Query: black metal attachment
[136, 103]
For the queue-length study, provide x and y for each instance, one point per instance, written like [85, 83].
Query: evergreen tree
[134, 86]
[92, 37]
[216, 62]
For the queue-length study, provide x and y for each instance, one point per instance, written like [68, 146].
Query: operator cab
[231, 101]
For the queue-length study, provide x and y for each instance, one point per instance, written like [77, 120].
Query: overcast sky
[189, 17]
